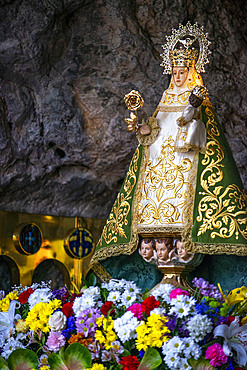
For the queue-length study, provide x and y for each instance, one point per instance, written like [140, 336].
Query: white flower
[114, 296]
[7, 319]
[163, 292]
[57, 321]
[92, 291]
[39, 295]
[128, 298]
[184, 364]
[179, 309]
[235, 338]
[198, 326]
[182, 306]
[10, 346]
[125, 326]
[191, 349]
[173, 346]
[158, 311]
[82, 303]
[173, 361]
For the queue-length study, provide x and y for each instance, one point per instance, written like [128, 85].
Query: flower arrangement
[114, 326]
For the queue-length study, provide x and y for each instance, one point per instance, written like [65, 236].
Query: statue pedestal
[176, 275]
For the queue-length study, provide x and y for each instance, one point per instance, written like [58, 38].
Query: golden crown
[183, 58]
[186, 55]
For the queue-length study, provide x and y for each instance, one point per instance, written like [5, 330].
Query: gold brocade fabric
[166, 192]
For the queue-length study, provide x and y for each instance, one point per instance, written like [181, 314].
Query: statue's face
[162, 251]
[181, 252]
[180, 75]
[146, 249]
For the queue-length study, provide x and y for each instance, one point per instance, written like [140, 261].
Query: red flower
[108, 306]
[130, 363]
[149, 304]
[23, 297]
[67, 309]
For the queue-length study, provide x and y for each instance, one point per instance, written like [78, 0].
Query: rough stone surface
[65, 66]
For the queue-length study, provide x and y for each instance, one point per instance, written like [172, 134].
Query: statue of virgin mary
[182, 181]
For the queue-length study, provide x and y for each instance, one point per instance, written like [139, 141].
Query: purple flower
[55, 341]
[207, 289]
[86, 321]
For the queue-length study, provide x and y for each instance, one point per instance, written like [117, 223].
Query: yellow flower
[152, 333]
[38, 317]
[98, 367]
[5, 302]
[44, 367]
[105, 335]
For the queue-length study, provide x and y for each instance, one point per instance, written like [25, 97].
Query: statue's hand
[181, 121]
[144, 130]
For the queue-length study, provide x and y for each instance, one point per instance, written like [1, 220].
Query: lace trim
[169, 109]
[101, 272]
[188, 148]
[239, 250]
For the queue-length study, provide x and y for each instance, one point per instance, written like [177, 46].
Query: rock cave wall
[65, 66]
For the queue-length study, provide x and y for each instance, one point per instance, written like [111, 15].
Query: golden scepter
[134, 101]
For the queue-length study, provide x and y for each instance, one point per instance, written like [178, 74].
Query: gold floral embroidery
[221, 210]
[163, 183]
[176, 99]
[117, 220]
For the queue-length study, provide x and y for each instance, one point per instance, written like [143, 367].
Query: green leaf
[92, 280]
[56, 362]
[77, 357]
[201, 364]
[3, 364]
[23, 359]
[151, 360]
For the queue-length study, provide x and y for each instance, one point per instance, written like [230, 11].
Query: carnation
[55, 341]
[136, 309]
[23, 297]
[175, 292]
[130, 363]
[216, 355]
[149, 304]
[107, 307]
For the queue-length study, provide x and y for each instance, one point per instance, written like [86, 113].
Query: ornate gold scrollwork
[221, 209]
[163, 183]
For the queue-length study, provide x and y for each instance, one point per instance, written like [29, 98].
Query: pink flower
[175, 292]
[136, 309]
[216, 355]
[55, 341]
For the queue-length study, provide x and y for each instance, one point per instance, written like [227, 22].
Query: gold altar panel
[54, 231]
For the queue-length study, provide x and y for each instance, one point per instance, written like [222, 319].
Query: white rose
[57, 321]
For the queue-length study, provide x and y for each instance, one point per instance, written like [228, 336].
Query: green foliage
[3, 364]
[23, 359]
[151, 360]
[75, 357]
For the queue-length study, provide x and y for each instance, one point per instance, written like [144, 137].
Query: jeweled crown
[183, 58]
[186, 55]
